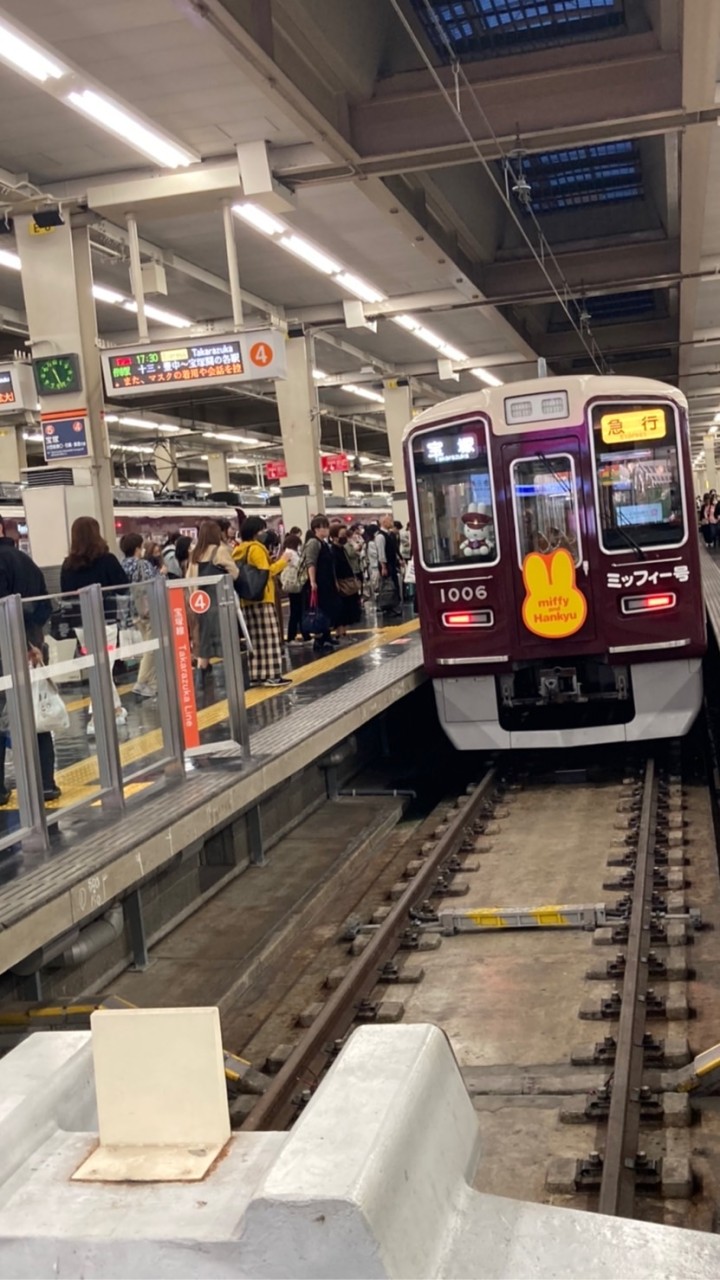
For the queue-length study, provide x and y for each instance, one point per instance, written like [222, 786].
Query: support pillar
[57, 284]
[165, 462]
[710, 471]
[339, 486]
[398, 413]
[12, 453]
[301, 494]
[218, 473]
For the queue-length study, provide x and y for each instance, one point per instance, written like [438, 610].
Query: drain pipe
[97, 935]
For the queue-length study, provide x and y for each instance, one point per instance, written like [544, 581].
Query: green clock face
[57, 375]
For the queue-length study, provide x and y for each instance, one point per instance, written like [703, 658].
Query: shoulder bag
[251, 582]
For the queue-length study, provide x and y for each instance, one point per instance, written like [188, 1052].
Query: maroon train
[557, 562]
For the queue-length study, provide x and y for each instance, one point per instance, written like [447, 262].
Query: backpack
[294, 577]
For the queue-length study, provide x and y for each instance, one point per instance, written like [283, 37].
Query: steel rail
[278, 1106]
[617, 1188]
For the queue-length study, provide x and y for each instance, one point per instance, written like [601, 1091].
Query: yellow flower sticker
[553, 606]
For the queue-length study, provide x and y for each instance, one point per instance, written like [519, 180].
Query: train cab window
[545, 503]
[638, 474]
[455, 504]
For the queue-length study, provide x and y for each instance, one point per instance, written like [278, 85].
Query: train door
[549, 541]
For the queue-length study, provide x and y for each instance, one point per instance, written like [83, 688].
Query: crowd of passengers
[328, 574]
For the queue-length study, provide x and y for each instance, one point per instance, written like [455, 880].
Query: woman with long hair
[261, 615]
[90, 561]
[210, 556]
[347, 567]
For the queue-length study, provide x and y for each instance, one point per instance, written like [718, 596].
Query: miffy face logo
[554, 606]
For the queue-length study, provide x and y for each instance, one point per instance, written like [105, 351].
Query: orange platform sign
[183, 663]
[554, 607]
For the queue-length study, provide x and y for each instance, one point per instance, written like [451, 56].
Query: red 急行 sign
[275, 470]
[334, 462]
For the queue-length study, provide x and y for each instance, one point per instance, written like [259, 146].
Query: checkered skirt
[262, 625]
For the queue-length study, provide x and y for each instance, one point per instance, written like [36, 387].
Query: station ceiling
[524, 180]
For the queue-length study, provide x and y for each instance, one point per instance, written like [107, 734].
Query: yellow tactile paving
[77, 780]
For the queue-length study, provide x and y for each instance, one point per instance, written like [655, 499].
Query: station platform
[710, 562]
[95, 858]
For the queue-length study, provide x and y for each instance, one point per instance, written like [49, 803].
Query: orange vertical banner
[183, 663]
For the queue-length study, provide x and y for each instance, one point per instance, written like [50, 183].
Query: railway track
[616, 1149]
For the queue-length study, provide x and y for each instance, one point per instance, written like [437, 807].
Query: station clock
[57, 375]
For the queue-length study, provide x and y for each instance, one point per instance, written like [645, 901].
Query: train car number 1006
[454, 595]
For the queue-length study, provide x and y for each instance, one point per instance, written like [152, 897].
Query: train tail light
[468, 618]
[649, 604]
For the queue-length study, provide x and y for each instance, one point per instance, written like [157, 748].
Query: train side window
[544, 493]
[638, 474]
[454, 496]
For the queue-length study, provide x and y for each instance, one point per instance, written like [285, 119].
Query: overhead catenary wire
[562, 290]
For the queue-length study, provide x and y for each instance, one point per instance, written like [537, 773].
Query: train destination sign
[637, 424]
[233, 357]
[450, 448]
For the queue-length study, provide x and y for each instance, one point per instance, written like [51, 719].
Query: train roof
[491, 400]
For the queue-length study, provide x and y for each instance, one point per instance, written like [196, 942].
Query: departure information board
[237, 357]
[7, 390]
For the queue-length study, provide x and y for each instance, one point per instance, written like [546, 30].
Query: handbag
[50, 710]
[387, 596]
[315, 623]
[348, 586]
[290, 579]
[251, 582]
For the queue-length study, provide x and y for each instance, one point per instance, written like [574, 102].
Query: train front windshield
[455, 503]
[638, 476]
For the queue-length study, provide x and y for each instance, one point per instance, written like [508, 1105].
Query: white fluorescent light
[103, 294]
[717, 417]
[370, 475]
[20, 53]
[111, 417]
[159, 314]
[247, 440]
[203, 484]
[361, 289]
[259, 218]
[130, 130]
[33, 437]
[309, 253]
[166, 428]
[134, 448]
[488, 378]
[430, 337]
[8, 259]
[406, 322]
[365, 392]
[221, 435]
[451, 353]
[319, 374]
[238, 462]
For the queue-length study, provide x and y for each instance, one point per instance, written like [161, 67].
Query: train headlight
[468, 618]
[648, 604]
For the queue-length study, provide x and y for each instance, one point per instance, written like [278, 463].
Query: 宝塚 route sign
[191, 363]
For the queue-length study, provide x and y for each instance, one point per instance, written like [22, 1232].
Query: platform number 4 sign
[261, 354]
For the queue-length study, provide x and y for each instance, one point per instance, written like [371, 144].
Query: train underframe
[570, 703]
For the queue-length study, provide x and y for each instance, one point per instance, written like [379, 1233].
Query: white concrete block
[46, 1084]
[377, 1199]
[161, 1094]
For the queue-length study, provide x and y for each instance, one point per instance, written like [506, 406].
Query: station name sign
[235, 357]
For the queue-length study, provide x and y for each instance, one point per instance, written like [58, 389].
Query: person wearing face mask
[322, 589]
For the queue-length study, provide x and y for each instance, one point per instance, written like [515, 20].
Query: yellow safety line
[76, 779]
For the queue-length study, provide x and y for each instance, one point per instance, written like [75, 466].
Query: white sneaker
[121, 715]
[144, 691]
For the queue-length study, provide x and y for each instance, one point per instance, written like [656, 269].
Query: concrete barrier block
[379, 1198]
[676, 1110]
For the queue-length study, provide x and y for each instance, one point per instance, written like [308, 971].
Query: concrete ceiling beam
[551, 102]
[612, 268]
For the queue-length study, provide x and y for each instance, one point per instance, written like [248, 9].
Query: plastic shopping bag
[50, 710]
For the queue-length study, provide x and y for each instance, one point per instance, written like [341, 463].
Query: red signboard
[275, 470]
[199, 601]
[334, 462]
[183, 662]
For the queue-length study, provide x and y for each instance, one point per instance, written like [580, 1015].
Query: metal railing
[107, 625]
